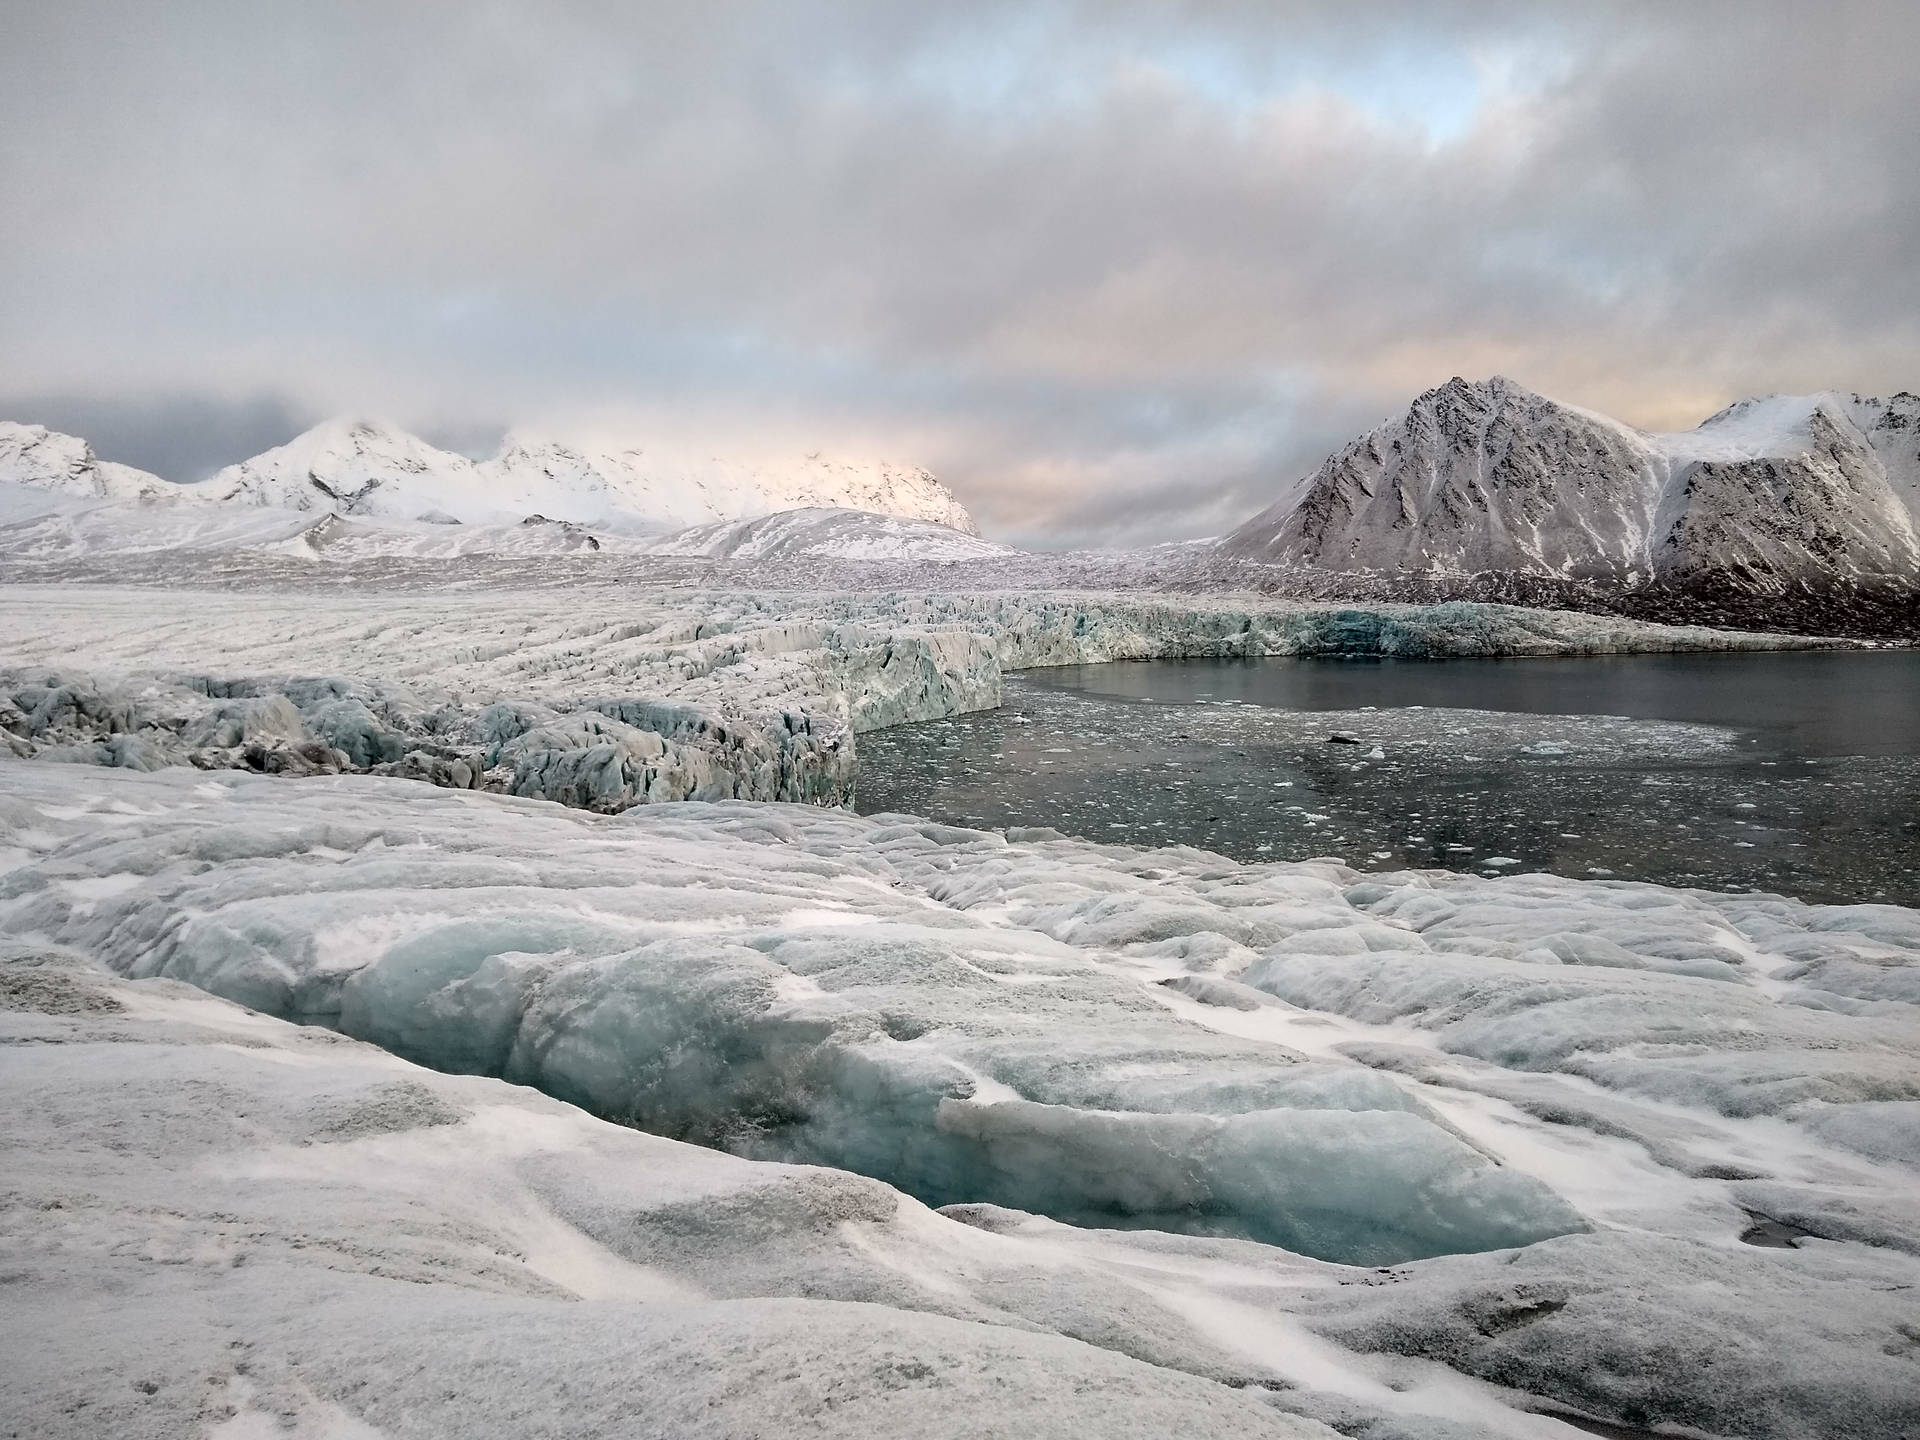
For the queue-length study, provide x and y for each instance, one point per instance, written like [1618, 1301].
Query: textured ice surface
[613, 698]
[788, 984]
[1132, 1038]
[816, 533]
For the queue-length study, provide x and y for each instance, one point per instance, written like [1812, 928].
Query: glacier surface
[605, 698]
[1414, 1154]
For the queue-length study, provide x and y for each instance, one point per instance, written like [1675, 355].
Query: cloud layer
[1114, 270]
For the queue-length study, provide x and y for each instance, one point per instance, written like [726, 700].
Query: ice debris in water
[608, 699]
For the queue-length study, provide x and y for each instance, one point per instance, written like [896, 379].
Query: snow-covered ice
[612, 697]
[989, 1131]
[1644, 1155]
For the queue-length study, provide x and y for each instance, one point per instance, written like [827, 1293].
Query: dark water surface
[1796, 771]
[1841, 702]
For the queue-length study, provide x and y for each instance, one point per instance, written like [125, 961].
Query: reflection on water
[1792, 772]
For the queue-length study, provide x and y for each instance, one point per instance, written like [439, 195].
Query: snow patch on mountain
[821, 533]
[359, 467]
[1489, 476]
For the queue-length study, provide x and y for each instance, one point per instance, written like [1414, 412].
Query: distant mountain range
[1479, 490]
[1484, 477]
[65, 464]
[366, 470]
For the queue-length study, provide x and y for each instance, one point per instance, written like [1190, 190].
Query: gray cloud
[1115, 270]
[182, 436]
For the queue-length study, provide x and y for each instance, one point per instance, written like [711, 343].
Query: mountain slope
[66, 465]
[358, 467]
[828, 534]
[1487, 476]
[669, 492]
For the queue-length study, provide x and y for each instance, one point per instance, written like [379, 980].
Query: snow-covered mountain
[352, 489]
[376, 471]
[1488, 476]
[66, 465]
[357, 467]
[669, 492]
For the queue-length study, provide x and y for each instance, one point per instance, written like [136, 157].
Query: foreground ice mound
[332, 1242]
[770, 982]
[1686, 1111]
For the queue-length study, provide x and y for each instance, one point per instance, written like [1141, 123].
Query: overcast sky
[1114, 271]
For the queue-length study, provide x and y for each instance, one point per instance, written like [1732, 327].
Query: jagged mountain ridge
[65, 464]
[375, 471]
[1479, 477]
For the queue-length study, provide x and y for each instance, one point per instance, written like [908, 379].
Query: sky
[1115, 271]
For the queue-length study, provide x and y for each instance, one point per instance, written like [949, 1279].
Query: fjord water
[1797, 772]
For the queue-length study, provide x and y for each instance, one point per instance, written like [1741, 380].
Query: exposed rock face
[1830, 513]
[1490, 477]
[1472, 477]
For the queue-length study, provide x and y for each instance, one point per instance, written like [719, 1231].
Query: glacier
[356, 1087]
[985, 1125]
[615, 697]
[1780, 512]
